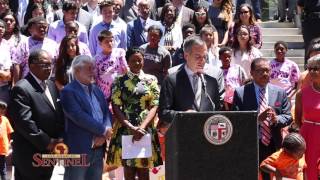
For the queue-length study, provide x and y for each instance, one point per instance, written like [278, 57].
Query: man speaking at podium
[272, 105]
[189, 89]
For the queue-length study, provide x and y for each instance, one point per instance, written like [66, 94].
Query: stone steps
[282, 31]
[287, 38]
[290, 52]
[273, 31]
[298, 60]
[275, 24]
[291, 45]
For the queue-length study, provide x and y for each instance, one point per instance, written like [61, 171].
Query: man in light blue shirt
[56, 30]
[118, 31]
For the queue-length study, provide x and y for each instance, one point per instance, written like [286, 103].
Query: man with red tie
[271, 103]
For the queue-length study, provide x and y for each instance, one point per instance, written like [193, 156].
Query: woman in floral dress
[135, 98]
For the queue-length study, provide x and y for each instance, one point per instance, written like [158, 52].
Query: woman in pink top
[308, 105]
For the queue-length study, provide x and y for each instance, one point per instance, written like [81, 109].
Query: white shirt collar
[188, 70]
[93, 11]
[142, 20]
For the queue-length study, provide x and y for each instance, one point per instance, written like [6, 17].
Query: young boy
[234, 75]
[289, 160]
[110, 63]
[5, 131]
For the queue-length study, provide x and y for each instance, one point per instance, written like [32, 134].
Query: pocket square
[58, 100]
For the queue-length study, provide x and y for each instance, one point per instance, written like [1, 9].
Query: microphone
[203, 82]
[204, 85]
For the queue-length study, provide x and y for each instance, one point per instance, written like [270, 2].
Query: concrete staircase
[273, 31]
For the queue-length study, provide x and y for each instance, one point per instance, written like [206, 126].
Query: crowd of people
[88, 74]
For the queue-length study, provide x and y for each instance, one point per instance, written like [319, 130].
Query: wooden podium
[212, 146]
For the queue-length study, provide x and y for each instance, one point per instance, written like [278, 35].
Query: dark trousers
[3, 167]
[256, 6]
[264, 152]
[309, 31]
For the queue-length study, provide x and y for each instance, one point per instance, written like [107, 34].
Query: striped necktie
[265, 124]
[196, 89]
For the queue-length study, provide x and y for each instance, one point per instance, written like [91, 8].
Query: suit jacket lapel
[82, 95]
[54, 93]
[39, 89]
[185, 82]
[251, 103]
[272, 94]
[140, 29]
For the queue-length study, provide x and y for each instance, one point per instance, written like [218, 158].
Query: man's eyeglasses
[314, 69]
[200, 13]
[244, 12]
[43, 65]
[261, 71]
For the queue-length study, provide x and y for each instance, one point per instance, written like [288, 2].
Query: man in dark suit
[272, 105]
[137, 29]
[129, 12]
[185, 14]
[189, 89]
[37, 118]
[88, 122]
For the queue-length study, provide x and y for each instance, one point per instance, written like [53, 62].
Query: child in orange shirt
[289, 160]
[5, 131]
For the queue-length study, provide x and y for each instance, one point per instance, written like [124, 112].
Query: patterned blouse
[284, 74]
[136, 94]
[234, 77]
[30, 44]
[108, 67]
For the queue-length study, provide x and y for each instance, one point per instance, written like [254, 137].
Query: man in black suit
[189, 89]
[272, 105]
[185, 14]
[37, 118]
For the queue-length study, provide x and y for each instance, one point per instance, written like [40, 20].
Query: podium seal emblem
[218, 129]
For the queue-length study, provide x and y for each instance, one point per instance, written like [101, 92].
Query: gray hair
[314, 59]
[191, 41]
[79, 62]
[144, 1]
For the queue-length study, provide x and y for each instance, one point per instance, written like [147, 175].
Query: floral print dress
[135, 95]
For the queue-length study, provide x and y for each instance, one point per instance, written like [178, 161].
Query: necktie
[264, 125]
[47, 92]
[107, 26]
[196, 89]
